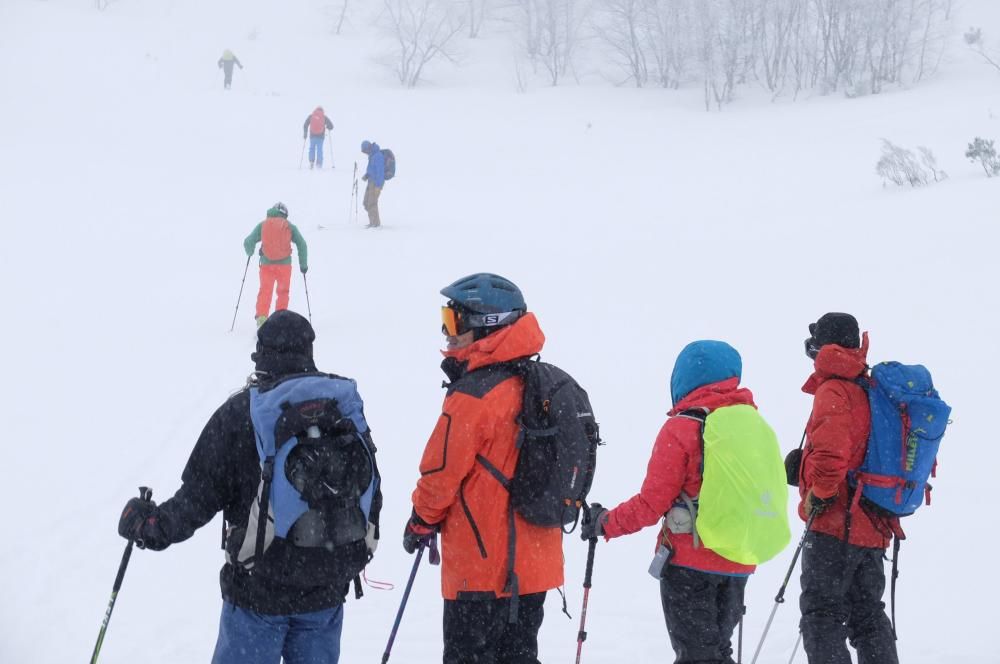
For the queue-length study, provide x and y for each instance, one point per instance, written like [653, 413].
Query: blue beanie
[703, 363]
[366, 146]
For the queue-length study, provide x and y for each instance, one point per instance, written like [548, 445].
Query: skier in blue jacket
[375, 177]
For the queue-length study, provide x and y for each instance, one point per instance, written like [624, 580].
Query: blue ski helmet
[488, 301]
[366, 146]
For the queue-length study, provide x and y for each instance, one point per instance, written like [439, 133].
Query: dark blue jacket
[376, 166]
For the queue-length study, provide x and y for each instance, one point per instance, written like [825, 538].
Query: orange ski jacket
[458, 493]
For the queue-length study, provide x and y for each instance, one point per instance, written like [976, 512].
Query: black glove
[364, 178]
[594, 519]
[793, 463]
[816, 505]
[418, 533]
[140, 521]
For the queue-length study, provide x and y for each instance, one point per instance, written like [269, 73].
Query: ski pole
[308, 306]
[587, 578]
[796, 648]
[302, 157]
[354, 195]
[780, 598]
[329, 137]
[739, 639]
[402, 605]
[240, 296]
[145, 493]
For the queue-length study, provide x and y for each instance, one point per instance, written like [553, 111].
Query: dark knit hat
[285, 344]
[836, 328]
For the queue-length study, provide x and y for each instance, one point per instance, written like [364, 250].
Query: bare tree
[668, 26]
[424, 31]
[478, 12]
[621, 25]
[900, 166]
[340, 19]
[974, 38]
[550, 33]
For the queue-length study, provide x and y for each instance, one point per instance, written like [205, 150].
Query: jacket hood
[274, 213]
[716, 395]
[835, 361]
[522, 339]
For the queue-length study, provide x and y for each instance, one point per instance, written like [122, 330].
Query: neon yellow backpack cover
[743, 504]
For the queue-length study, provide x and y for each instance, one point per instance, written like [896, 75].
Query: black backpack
[558, 455]
[390, 164]
[558, 447]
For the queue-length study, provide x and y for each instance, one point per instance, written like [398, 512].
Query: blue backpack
[318, 477]
[908, 420]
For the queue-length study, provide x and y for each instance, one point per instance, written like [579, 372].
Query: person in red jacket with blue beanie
[843, 578]
[701, 592]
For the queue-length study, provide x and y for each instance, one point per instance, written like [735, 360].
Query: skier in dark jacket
[843, 578]
[226, 63]
[296, 613]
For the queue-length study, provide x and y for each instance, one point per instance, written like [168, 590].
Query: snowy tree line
[785, 47]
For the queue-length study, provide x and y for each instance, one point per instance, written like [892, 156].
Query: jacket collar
[715, 395]
[836, 362]
[522, 339]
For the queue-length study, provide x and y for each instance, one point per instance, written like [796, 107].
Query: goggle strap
[491, 320]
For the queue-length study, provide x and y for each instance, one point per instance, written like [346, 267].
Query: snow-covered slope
[633, 221]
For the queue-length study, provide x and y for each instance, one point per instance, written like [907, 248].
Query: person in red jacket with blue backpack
[701, 592]
[843, 578]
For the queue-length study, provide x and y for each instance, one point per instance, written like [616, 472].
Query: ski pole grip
[145, 493]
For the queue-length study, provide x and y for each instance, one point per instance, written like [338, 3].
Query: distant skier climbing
[226, 63]
[275, 235]
[316, 126]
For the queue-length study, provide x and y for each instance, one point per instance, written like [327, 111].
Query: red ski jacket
[675, 466]
[836, 442]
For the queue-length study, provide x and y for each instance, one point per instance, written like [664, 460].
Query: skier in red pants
[275, 235]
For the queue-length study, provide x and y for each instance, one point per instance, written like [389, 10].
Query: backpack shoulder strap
[480, 382]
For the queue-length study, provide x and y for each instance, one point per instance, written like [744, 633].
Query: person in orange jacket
[275, 235]
[486, 324]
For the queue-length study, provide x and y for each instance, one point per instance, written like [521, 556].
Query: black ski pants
[701, 610]
[479, 631]
[842, 587]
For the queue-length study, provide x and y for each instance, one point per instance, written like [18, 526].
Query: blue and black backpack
[390, 163]
[318, 482]
[908, 420]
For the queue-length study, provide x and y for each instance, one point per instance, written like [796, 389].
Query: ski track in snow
[633, 221]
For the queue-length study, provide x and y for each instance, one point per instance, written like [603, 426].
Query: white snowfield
[633, 221]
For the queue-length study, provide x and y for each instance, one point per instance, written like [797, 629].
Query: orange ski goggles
[455, 322]
[451, 322]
